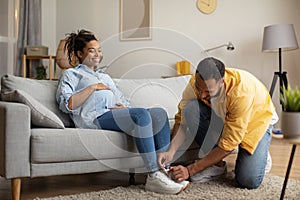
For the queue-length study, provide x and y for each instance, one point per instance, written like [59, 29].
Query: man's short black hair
[211, 68]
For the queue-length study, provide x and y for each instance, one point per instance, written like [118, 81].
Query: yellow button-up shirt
[244, 104]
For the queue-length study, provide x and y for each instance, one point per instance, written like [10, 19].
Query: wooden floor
[65, 185]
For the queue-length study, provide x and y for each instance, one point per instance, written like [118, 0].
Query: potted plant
[290, 116]
[41, 72]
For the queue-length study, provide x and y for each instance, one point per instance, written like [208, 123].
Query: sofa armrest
[14, 140]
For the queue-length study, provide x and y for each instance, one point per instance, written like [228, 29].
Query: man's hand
[179, 173]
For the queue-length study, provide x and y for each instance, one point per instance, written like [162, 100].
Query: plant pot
[290, 125]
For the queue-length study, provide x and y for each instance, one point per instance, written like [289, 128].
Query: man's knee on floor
[250, 182]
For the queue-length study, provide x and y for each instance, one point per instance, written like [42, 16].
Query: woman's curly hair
[76, 42]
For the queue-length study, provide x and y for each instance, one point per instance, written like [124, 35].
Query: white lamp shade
[279, 36]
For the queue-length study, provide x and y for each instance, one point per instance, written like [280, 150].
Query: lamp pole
[280, 66]
[282, 77]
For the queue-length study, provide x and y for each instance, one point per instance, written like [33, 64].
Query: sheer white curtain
[29, 30]
[9, 10]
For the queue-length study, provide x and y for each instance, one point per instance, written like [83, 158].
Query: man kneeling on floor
[223, 109]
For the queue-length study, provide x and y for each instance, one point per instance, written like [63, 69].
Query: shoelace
[163, 177]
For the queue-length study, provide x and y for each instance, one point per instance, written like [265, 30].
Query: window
[9, 10]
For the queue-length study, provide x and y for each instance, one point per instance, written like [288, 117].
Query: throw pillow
[165, 93]
[41, 90]
[40, 115]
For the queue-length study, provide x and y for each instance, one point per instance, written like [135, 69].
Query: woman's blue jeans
[206, 128]
[149, 127]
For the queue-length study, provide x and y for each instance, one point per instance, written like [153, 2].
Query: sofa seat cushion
[70, 144]
[73, 145]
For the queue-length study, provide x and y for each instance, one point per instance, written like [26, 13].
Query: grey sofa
[38, 140]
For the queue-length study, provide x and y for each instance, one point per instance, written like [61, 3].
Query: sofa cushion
[57, 146]
[165, 93]
[40, 115]
[91, 144]
[43, 91]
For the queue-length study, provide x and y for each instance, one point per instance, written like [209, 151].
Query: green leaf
[290, 99]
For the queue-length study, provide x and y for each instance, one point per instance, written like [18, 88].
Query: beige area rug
[221, 189]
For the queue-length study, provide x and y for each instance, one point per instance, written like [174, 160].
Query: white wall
[49, 25]
[190, 32]
[240, 21]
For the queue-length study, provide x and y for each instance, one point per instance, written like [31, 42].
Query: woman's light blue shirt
[74, 80]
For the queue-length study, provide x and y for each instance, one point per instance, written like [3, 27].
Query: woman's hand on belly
[118, 106]
[101, 86]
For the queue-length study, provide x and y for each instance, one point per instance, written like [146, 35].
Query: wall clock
[207, 6]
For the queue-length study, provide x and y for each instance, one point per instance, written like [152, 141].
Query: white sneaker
[185, 184]
[210, 173]
[159, 182]
[269, 163]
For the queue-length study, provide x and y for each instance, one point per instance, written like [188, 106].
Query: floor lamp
[279, 37]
